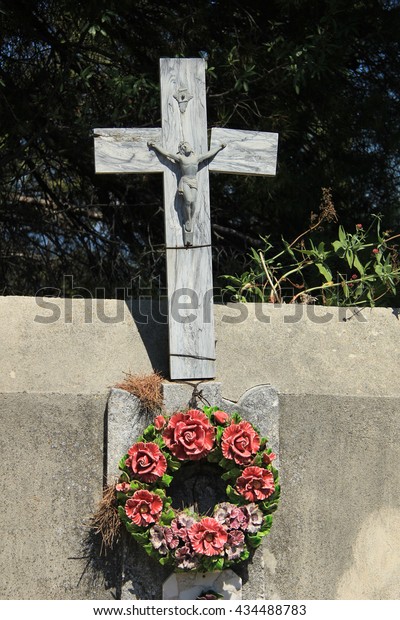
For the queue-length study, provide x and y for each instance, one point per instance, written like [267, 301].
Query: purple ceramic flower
[254, 517]
[234, 546]
[186, 558]
[231, 516]
[158, 540]
[181, 524]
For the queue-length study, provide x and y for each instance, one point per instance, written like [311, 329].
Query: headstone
[142, 577]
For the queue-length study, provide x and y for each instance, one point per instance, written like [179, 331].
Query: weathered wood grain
[191, 315]
[191, 126]
[189, 270]
[124, 151]
[246, 152]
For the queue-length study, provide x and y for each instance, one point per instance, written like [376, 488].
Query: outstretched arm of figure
[211, 153]
[156, 147]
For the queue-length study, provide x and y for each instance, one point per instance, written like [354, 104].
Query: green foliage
[67, 67]
[122, 466]
[357, 268]
[166, 480]
[173, 464]
[234, 496]
[231, 474]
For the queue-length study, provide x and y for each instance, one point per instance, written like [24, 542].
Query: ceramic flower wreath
[183, 538]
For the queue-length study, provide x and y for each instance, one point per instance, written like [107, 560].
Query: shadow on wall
[151, 321]
[125, 570]
[375, 571]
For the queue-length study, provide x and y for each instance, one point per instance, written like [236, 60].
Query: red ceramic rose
[255, 483]
[146, 461]
[123, 487]
[159, 422]
[208, 537]
[240, 442]
[144, 508]
[268, 458]
[221, 417]
[189, 436]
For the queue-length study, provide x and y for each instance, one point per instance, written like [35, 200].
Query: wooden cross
[188, 241]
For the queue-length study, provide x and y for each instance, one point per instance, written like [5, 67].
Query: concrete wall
[337, 532]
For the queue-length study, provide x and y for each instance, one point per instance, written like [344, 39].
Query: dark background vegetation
[325, 74]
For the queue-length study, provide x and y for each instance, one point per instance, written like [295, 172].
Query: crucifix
[180, 151]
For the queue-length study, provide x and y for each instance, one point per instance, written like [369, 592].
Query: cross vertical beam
[189, 268]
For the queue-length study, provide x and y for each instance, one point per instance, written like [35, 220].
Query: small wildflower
[354, 276]
[375, 251]
[359, 226]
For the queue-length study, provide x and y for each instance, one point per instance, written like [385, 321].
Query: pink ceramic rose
[123, 487]
[268, 458]
[159, 422]
[146, 461]
[221, 417]
[255, 484]
[240, 442]
[208, 537]
[144, 508]
[189, 435]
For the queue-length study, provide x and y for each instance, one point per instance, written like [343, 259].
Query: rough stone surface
[336, 532]
[79, 345]
[179, 396]
[51, 449]
[141, 577]
[126, 420]
[297, 349]
[302, 349]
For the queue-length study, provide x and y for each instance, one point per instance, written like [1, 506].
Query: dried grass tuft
[105, 520]
[145, 387]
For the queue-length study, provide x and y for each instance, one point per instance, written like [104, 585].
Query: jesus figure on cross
[187, 188]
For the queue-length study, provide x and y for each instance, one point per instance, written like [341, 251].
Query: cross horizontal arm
[123, 151]
[246, 152]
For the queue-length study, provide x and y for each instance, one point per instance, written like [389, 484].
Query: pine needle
[147, 388]
[105, 520]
